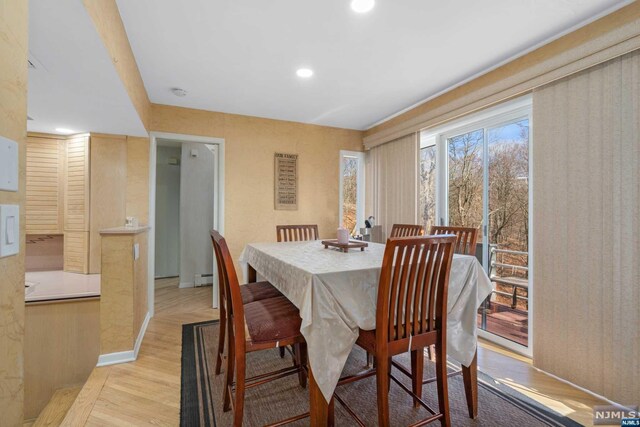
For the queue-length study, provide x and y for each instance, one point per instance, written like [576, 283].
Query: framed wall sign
[286, 176]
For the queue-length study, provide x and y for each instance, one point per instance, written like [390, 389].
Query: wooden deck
[512, 324]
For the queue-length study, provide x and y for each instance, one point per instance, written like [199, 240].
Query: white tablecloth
[337, 294]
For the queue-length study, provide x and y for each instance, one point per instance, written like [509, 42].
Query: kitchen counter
[125, 230]
[60, 285]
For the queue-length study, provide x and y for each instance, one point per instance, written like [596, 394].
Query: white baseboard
[143, 330]
[115, 358]
[596, 395]
[129, 355]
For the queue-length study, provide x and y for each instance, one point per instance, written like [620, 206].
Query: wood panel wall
[108, 195]
[14, 45]
[62, 342]
[123, 299]
[44, 204]
[586, 222]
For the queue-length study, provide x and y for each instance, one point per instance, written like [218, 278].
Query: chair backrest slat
[412, 294]
[229, 279]
[406, 230]
[221, 275]
[467, 237]
[297, 233]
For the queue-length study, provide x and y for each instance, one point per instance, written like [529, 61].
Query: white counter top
[125, 230]
[58, 285]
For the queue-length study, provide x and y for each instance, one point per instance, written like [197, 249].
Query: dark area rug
[201, 393]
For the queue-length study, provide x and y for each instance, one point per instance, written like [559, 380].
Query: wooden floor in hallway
[147, 391]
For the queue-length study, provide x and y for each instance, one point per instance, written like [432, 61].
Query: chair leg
[221, 336]
[383, 383]
[417, 372]
[281, 349]
[238, 405]
[443, 389]
[369, 359]
[229, 373]
[300, 352]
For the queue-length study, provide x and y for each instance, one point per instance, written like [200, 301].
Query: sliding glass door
[506, 245]
[476, 175]
[466, 171]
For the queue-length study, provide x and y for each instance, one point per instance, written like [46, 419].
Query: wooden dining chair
[259, 325]
[406, 230]
[250, 292]
[297, 233]
[411, 314]
[467, 237]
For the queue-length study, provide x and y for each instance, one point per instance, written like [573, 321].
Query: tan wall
[250, 144]
[586, 221]
[108, 167]
[138, 178]
[123, 296]
[13, 125]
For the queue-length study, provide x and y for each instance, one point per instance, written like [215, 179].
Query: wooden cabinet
[44, 204]
[76, 204]
[76, 186]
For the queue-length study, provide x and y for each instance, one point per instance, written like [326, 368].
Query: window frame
[360, 183]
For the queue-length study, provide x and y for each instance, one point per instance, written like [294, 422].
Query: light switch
[9, 230]
[11, 237]
[8, 164]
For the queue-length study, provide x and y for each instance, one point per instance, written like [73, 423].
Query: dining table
[336, 293]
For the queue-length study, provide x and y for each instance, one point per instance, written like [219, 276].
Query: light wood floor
[147, 391]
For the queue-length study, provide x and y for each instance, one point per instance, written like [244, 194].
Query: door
[506, 241]
[486, 186]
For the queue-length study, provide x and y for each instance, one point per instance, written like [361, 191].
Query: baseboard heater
[203, 279]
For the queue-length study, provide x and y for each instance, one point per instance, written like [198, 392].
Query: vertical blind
[392, 180]
[586, 222]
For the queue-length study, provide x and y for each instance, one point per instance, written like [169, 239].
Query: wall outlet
[9, 230]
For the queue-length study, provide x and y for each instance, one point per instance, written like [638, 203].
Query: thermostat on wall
[8, 164]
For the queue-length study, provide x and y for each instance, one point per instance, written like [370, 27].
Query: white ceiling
[240, 56]
[74, 85]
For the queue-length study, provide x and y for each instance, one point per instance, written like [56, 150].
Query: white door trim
[218, 201]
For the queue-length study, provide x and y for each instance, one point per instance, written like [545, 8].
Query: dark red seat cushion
[258, 291]
[271, 320]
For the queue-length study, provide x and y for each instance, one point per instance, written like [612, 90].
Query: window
[351, 214]
[427, 195]
[474, 172]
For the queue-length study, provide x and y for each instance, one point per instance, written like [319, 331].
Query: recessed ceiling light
[65, 131]
[362, 6]
[305, 73]
[179, 92]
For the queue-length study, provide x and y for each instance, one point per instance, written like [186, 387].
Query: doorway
[186, 201]
[475, 173]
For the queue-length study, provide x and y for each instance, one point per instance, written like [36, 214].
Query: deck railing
[518, 279]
